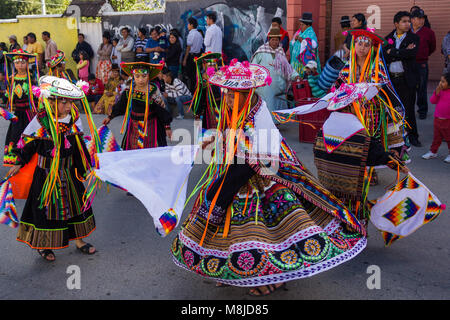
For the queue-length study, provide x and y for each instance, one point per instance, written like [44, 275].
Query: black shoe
[415, 142]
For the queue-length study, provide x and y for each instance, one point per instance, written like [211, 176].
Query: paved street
[134, 262]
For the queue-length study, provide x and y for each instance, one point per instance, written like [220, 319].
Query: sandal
[271, 287]
[221, 285]
[85, 249]
[45, 253]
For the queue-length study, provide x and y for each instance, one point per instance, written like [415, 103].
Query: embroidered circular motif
[312, 247]
[245, 261]
[289, 257]
[339, 242]
[212, 265]
[315, 248]
[188, 258]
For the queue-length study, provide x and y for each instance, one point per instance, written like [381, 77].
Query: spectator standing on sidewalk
[13, 43]
[51, 49]
[126, 46]
[194, 43]
[401, 59]
[104, 58]
[82, 45]
[116, 57]
[427, 46]
[441, 98]
[213, 36]
[139, 45]
[173, 54]
[446, 52]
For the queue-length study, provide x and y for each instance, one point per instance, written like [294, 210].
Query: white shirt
[195, 41]
[397, 66]
[116, 53]
[213, 39]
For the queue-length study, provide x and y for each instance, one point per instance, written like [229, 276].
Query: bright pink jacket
[442, 102]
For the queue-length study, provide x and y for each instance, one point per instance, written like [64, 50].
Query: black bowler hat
[306, 17]
[418, 13]
[345, 19]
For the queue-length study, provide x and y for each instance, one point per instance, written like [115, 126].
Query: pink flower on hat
[210, 71]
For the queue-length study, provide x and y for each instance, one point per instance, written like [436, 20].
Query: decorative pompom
[45, 94]
[67, 144]
[233, 62]
[371, 30]
[54, 152]
[345, 33]
[210, 71]
[162, 62]
[246, 64]
[390, 41]
[269, 80]
[333, 89]
[36, 91]
[20, 144]
[83, 85]
[443, 207]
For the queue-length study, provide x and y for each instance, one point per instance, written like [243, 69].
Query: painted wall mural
[244, 23]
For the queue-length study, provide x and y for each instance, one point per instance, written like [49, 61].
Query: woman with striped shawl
[363, 135]
[304, 46]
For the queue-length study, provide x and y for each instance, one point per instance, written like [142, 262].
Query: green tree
[9, 9]
[134, 5]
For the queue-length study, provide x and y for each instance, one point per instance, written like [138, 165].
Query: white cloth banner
[338, 99]
[405, 208]
[157, 177]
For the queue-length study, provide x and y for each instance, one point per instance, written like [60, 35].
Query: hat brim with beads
[241, 76]
[130, 68]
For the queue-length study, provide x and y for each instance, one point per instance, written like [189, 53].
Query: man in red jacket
[427, 46]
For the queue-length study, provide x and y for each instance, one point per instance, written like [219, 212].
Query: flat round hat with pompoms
[241, 76]
[58, 87]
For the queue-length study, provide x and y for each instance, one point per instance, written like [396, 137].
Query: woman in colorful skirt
[304, 45]
[366, 134]
[21, 101]
[54, 213]
[206, 99]
[146, 122]
[261, 218]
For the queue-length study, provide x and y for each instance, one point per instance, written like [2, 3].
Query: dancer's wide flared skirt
[274, 236]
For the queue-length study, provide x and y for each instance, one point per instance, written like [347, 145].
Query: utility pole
[44, 11]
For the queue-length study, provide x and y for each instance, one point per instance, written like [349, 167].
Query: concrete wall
[62, 30]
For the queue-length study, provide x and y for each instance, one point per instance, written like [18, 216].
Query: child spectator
[441, 98]
[176, 92]
[83, 67]
[313, 77]
[96, 90]
[104, 105]
[116, 56]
